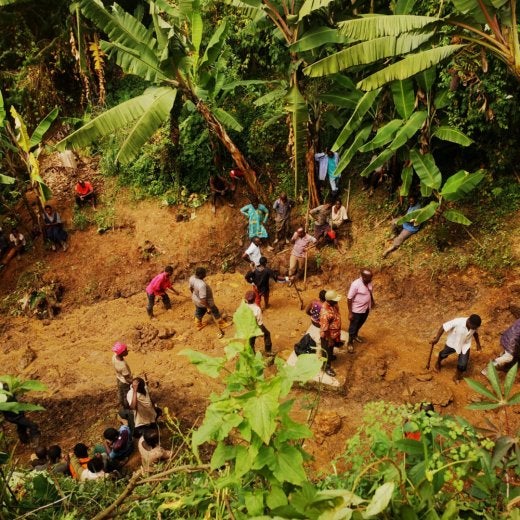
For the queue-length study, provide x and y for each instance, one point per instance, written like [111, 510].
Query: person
[408, 229]
[376, 177]
[145, 414]
[123, 372]
[56, 464]
[78, 460]
[53, 228]
[17, 241]
[118, 443]
[360, 300]
[150, 450]
[85, 193]
[460, 331]
[202, 297]
[259, 279]
[39, 459]
[158, 287]
[327, 167]
[321, 216]
[338, 215]
[257, 312]
[510, 343]
[282, 212]
[253, 253]
[27, 430]
[330, 328]
[257, 215]
[219, 187]
[95, 469]
[313, 309]
[302, 241]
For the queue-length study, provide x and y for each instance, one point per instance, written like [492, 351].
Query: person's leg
[79, 202]
[252, 341]
[504, 359]
[215, 312]
[258, 296]
[278, 231]
[199, 314]
[301, 266]
[268, 345]
[151, 303]
[166, 301]
[266, 299]
[122, 391]
[362, 319]
[462, 365]
[354, 326]
[443, 354]
[293, 265]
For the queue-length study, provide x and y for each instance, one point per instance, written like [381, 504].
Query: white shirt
[254, 253]
[459, 336]
[257, 311]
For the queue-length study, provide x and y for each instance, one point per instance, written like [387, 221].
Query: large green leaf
[426, 79]
[208, 365]
[454, 135]
[6, 179]
[157, 113]
[404, 6]
[316, 37]
[380, 500]
[457, 217]
[113, 120]
[442, 99]
[380, 160]
[460, 184]
[261, 411]
[348, 154]
[363, 106]
[289, 465]
[20, 407]
[197, 28]
[134, 61]
[3, 113]
[227, 119]
[22, 137]
[42, 127]
[426, 169]
[270, 97]
[403, 94]
[406, 181]
[383, 136]
[472, 9]
[366, 52]
[510, 379]
[296, 105]
[408, 66]
[214, 46]
[310, 6]
[408, 130]
[372, 27]
[420, 215]
[481, 389]
[348, 100]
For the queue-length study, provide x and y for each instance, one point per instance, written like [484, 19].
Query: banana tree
[305, 28]
[420, 41]
[168, 54]
[412, 128]
[19, 153]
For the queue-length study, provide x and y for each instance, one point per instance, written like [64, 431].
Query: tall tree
[170, 56]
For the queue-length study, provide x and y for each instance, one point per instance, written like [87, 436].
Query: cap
[119, 348]
[250, 296]
[332, 296]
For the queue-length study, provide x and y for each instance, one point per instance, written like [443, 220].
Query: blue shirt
[408, 225]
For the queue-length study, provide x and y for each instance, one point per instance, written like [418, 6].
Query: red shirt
[85, 189]
[330, 322]
[159, 284]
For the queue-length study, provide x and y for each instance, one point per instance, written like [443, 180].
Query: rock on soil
[326, 424]
[28, 356]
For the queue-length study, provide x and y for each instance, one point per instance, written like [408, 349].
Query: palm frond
[316, 37]
[227, 119]
[310, 6]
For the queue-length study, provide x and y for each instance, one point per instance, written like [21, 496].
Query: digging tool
[430, 357]
[299, 296]
[221, 332]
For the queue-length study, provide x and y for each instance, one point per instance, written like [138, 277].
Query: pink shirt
[300, 243]
[360, 294]
[159, 284]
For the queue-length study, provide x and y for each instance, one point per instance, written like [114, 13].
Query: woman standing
[257, 217]
[139, 400]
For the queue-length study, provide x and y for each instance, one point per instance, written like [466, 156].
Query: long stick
[429, 358]
[348, 198]
[299, 296]
[221, 332]
[306, 253]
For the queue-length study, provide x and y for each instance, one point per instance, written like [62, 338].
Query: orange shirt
[85, 189]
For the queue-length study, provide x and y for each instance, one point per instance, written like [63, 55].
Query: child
[118, 443]
[78, 460]
[39, 460]
[95, 469]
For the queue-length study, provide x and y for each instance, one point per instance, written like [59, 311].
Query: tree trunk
[216, 127]
[314, 199]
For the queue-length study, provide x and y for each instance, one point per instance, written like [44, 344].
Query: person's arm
[477, 341]
[349, 305]
[133, 403]
[308, 309]
[266, 213]
[173, 290]
[372, 301]
[245, 211]
[249, 277]
[122, 441]
[440, 332]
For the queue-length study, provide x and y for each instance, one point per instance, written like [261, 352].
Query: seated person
[405, 231]
[139, 400]
[95, 469]
[78, 460]
[118, 443]
[220, 188]
[56, 465]
[150, 450]
[17, 241]
[85, 193]
[338, 215]
[39, 460]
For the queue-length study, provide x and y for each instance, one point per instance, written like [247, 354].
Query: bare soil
[105, 276]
